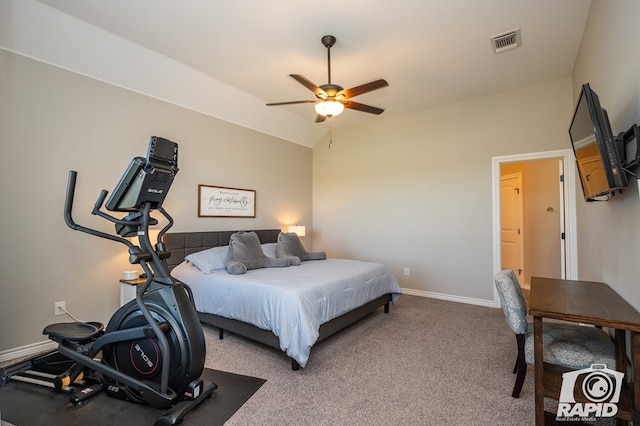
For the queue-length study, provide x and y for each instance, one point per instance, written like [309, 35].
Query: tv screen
[594, 145]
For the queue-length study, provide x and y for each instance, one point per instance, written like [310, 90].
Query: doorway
[566, 255]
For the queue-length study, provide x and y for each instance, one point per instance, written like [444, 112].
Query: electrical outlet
[59, 307]
[407, 272]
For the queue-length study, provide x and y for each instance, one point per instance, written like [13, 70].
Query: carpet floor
[426, 362]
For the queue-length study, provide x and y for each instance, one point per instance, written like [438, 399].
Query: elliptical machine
[153, 348]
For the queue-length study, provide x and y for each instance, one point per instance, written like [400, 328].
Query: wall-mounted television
[599, 154]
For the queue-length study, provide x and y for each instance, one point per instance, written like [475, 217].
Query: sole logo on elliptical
[143, 355]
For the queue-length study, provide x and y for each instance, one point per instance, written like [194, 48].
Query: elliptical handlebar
[68, 201]
[68, 218]
[99, 201]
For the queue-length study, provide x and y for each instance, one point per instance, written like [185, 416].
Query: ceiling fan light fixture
[329, 108]
[332, 99]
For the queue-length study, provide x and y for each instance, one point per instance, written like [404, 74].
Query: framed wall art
[218, 201]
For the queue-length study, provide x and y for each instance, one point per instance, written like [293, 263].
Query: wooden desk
[588, 303]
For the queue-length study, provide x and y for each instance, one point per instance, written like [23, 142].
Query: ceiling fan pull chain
[330, 134]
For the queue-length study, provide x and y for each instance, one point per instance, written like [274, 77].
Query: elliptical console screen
[146, 180]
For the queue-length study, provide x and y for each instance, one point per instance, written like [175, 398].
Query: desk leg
[539, 370]
[621, 361]
[635, 367]
[621, 351]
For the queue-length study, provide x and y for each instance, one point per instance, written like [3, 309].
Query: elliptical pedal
[73, 331]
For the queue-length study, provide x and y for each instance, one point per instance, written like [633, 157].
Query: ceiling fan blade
[362, 107]
[309, 85]
[320, 118]
[292, 102]
[359, 90]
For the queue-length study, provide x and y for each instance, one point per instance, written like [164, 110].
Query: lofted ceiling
[229, 58]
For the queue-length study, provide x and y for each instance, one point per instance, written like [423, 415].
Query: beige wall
[416, 191]
[609, 59]
[51, 121]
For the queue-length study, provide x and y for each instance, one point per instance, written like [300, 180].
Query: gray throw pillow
[209, 260]
[289, 245]
[245, 253]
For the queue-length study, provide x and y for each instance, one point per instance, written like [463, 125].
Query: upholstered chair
[565, 344]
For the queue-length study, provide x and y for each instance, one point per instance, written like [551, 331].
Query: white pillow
[269, 249]
[209, 260]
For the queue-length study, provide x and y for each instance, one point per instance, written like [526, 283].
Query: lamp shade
[299, 230]
[329, 108]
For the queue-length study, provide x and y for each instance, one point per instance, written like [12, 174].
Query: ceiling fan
[332, 99]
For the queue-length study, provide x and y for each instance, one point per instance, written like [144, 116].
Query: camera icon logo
[590, 392]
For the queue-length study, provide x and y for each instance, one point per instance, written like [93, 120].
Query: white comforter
[292, 302]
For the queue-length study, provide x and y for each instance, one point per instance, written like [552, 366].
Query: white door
[512, 234]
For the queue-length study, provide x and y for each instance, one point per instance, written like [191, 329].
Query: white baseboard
[451, 298]
[28, 350]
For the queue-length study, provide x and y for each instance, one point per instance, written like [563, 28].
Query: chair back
[512, 300]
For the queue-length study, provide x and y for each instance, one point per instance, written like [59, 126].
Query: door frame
[570, 226]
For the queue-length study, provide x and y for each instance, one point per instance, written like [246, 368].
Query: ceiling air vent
[506, 41]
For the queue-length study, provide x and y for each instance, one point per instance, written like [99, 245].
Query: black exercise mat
[26, 404]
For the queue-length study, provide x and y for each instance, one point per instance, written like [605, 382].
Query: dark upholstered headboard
[181, 244]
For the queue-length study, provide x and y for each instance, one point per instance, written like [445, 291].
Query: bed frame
[182, 244]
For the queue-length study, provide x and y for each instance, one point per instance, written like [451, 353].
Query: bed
[284, 314]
